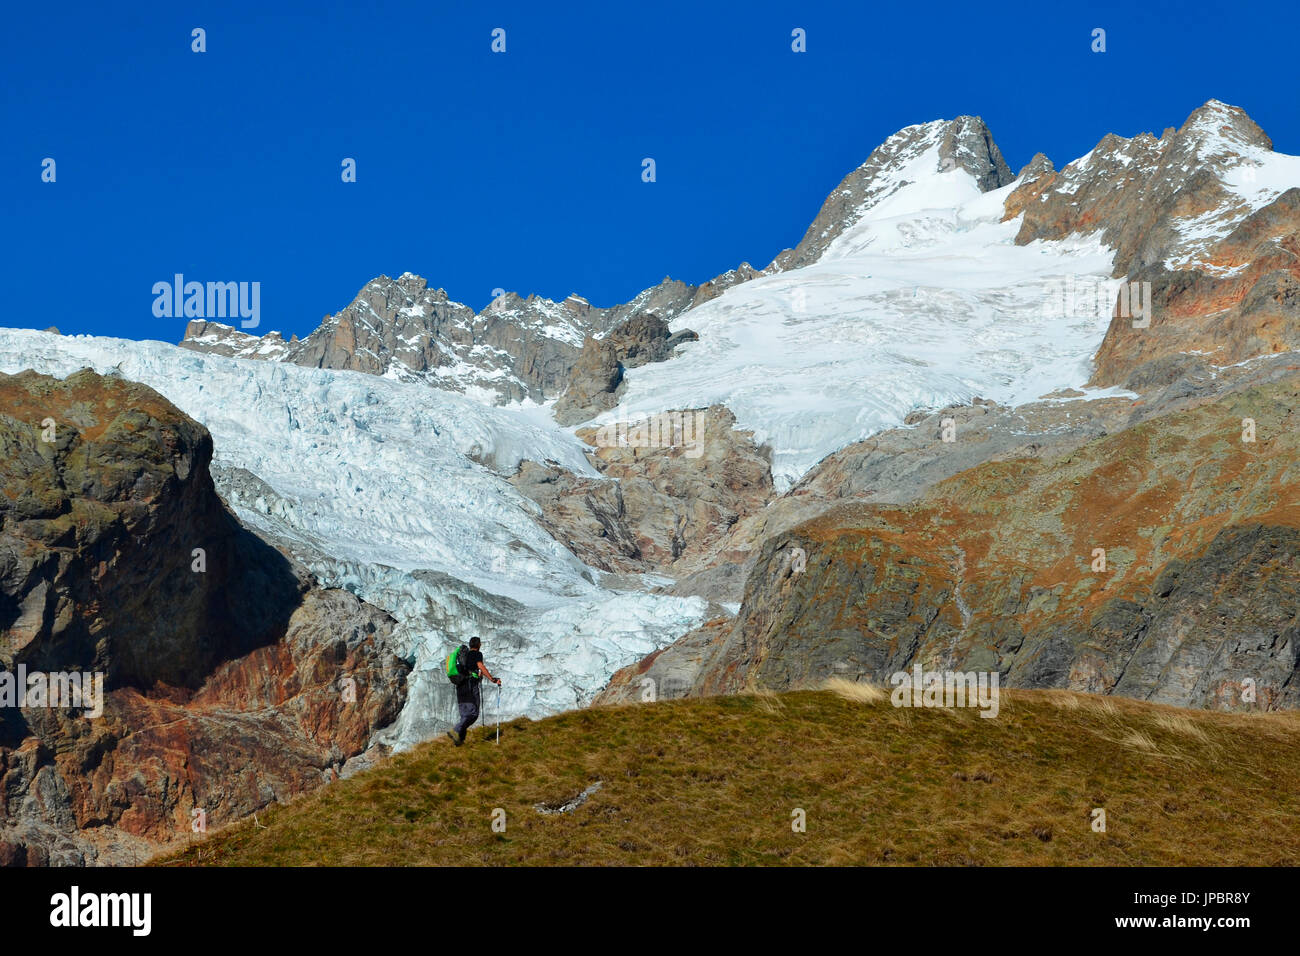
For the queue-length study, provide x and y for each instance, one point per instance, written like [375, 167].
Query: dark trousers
[467, 702]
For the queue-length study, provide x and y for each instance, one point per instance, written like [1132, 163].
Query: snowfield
[923, 302]
[374, 485]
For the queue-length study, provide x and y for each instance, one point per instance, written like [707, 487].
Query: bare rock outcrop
[655, 503]
[228, 680]
[1197, 602]
[596, 380]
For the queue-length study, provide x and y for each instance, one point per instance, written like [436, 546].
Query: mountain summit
[912, 153]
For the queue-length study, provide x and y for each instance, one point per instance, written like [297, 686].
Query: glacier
[924, 301]
[396, 492]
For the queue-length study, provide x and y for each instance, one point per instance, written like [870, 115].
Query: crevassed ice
[371, 482]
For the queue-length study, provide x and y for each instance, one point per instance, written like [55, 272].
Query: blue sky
[522, 170]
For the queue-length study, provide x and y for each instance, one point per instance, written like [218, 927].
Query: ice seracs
[394, 491]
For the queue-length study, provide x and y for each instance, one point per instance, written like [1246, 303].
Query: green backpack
[458, 669]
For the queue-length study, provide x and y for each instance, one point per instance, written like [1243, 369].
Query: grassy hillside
[714, 781]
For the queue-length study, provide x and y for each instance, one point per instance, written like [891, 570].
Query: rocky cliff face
[228, 680]
[596, 379]
[107, 488]
[204, 336]
[899, 465]
[653, 506]
[997, 568]
[1138, 192]
[515, 348]
[1239, 301]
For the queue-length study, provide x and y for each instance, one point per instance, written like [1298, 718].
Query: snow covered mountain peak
[1219, 129]
[523, 349]
[516, 349]
[910, 156]
[1163, 201]
[921, 297]
[918, 286]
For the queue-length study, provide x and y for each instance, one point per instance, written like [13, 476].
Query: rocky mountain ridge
[516, 349]
[520, 349]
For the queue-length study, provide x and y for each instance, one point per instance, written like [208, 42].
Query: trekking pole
[498, 713]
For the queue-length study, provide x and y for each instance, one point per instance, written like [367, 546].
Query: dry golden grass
[715, 781]
[1104, 706]
[769, 700]
[1182, 726]
[1136, 740]
[852, 690]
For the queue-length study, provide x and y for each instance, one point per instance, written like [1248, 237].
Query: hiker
[467, 664]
